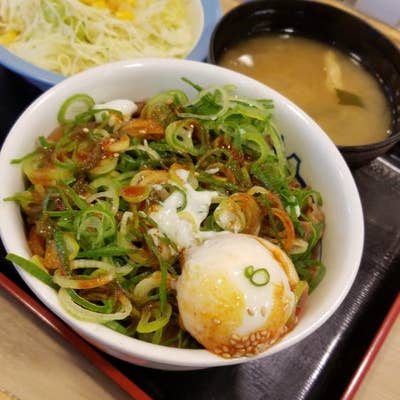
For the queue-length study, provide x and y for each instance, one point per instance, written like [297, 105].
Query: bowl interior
[321, 165]
[203, 15]
[329, 25]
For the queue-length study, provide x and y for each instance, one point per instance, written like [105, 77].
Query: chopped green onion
[107, 251]
[181, 191]
[251, 135]
[44, 143]
[91, 316]
[258, 277]
[210, 104]
[163, 269]
[311, 271]
[61, 249]
[216, 183]
[116, 326]
[73, 106]
[67, 191]
[22, 159]
[179, 135]
[161, 319]
[162, 107]
[192, 84]
[32, 269]
[106, 308]
[248, 271]
[264, 201]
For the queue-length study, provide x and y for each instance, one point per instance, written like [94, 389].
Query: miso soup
[334, 89]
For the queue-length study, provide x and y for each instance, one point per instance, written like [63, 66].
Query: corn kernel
[127, 15]
[100, 4]
[95, 3]
[8, 37]
[120, 9]
[113, 5]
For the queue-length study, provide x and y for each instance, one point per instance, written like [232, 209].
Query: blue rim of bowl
[44, 78]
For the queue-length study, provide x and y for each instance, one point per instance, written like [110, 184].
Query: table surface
[48, 367]
[380, 382]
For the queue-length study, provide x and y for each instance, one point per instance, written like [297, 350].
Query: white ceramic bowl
[322, 166]
[203, 14]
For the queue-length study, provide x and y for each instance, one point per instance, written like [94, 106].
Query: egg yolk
[120, 9]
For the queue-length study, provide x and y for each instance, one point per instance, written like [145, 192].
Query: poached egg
[228, 311]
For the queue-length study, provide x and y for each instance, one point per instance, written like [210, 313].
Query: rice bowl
[321, 166]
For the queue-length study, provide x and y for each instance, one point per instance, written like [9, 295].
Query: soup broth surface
[334, 89]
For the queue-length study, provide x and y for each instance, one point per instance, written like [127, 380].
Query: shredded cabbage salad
[68, 36]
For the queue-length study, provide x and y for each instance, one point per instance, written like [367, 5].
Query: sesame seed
[235, 336]
[252, 337]
[250, 312]
[225, 349]
[216, 321]
[263, 311]
[226, 355]
[261, 347]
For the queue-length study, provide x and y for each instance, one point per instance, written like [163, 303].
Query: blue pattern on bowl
[297, 161]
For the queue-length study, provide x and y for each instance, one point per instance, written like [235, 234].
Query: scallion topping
[258, 277]
[74, 106]
[100, 188]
